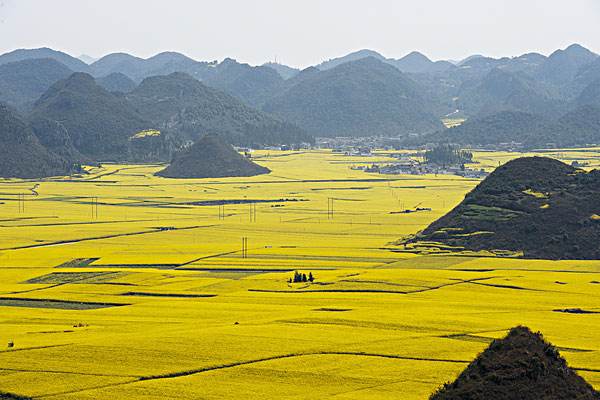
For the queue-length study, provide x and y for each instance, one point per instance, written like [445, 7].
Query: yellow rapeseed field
[118, 284]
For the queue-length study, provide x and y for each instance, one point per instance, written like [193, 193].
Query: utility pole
[244, 247]
[94, 208]
[21, 202]
[252, 212]
[330, 208]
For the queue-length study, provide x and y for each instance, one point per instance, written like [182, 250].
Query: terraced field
[119, 284]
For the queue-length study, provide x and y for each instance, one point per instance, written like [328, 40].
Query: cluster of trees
[298, 278]
[447, 154]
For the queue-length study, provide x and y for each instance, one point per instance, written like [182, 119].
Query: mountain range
[531, 99]
[179, 104]
[366, 97]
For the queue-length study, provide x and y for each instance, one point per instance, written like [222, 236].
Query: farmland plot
[120, 284]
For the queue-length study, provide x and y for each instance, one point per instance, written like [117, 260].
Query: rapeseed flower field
[119, 284]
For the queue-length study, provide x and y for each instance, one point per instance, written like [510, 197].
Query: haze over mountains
[530, 100]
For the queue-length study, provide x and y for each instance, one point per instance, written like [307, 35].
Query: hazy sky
[299, 32]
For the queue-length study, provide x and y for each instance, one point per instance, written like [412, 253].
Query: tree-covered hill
[500, 90]
[21, 154]
[98, 122]
[210, 157]
[491, 130]
[116, 82]
[74, 64]
[184, 106]
[23, 82]
[253, 85]
[520, 366]
[536, 206]
[361, 98]
[579, 126]
[139, 68]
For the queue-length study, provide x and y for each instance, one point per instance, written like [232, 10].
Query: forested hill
[536, 206]
[211, 157]
[185, 106]
[21, 154]
[98, 122]
[359, 98]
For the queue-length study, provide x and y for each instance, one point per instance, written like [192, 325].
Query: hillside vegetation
[184, 106]
[360, 98]
[535, 206]
[98, 122]
[210, 157]
[359, 94]
[23, 82]
[520, 366]
[22, 155]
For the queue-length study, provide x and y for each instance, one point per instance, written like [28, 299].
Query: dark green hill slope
[252, 85]
[500, 90]
[491, 130]
[588, 74]
[590, 95]
[418, 63]
[520, 366]
[74, 64]
[563, 65]
[54, 136]
[184, 106]
[578, 127]
[211, 157]
[21, 154]
[123, 63]
[284, 71]
[23, 82]
[354, 56]
[116, 82]
[360, 98]
[98, 122]
[139, 68]
[535, 205]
